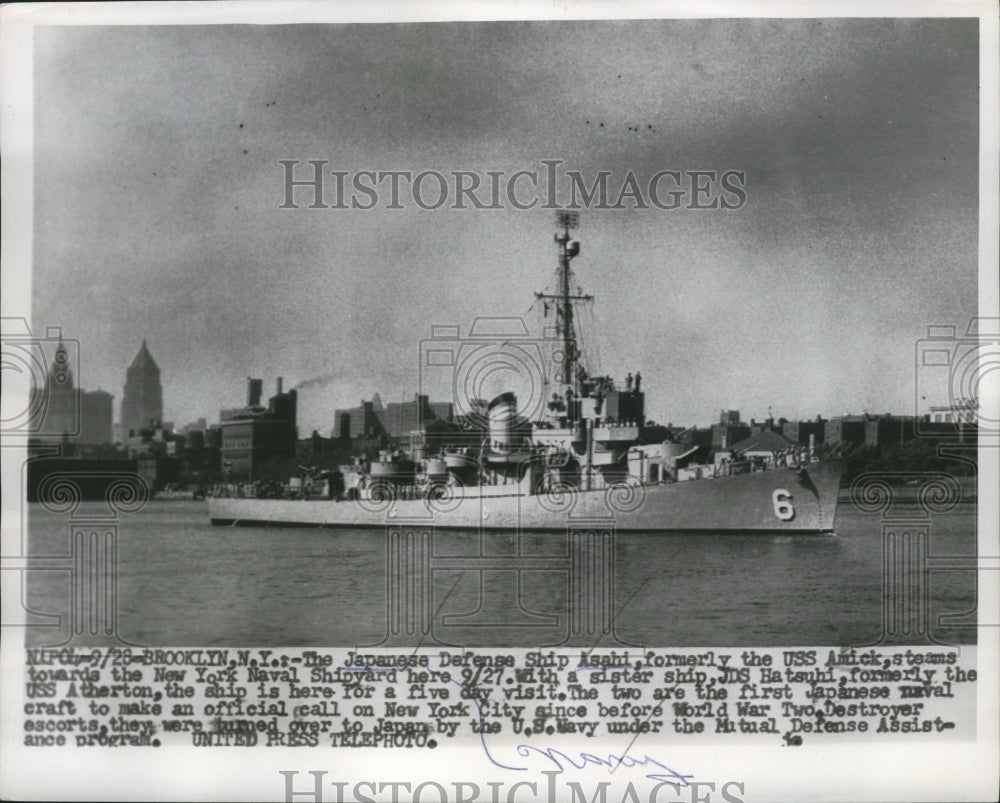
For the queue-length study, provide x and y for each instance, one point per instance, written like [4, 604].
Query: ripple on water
[184, 582]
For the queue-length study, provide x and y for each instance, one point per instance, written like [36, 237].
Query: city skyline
[158, 203]
[215, 417]
[56, 393]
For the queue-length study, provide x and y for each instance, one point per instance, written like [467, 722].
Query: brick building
[802, 431]
[728, 430]
[96, 417]
[848, 429]
[260, 441]
[372, 420]
[889, 430]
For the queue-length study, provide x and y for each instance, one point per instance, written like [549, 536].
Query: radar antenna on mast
[568, 249]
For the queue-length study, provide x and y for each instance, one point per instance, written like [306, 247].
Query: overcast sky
[158, 187]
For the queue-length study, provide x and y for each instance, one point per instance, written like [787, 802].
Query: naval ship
[586, 453]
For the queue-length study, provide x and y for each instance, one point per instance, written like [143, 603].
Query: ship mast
[564, 300]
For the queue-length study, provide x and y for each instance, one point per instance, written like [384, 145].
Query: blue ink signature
[612, 762]
[475, 700]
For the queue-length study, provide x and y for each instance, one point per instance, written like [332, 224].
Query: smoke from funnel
[324, 379]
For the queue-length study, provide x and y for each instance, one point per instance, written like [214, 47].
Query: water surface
[184, 582]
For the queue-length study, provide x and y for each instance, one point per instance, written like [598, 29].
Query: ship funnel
[502, 412]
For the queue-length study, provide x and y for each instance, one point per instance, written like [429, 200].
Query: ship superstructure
[583, 450]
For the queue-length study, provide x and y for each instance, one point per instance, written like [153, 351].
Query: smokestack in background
[255, 388]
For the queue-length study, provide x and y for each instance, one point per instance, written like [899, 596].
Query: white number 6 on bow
[783, 504]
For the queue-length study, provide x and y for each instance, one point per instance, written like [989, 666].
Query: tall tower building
[62, 407]
[142, 398]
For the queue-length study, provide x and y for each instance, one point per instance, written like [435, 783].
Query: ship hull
[779, 500]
